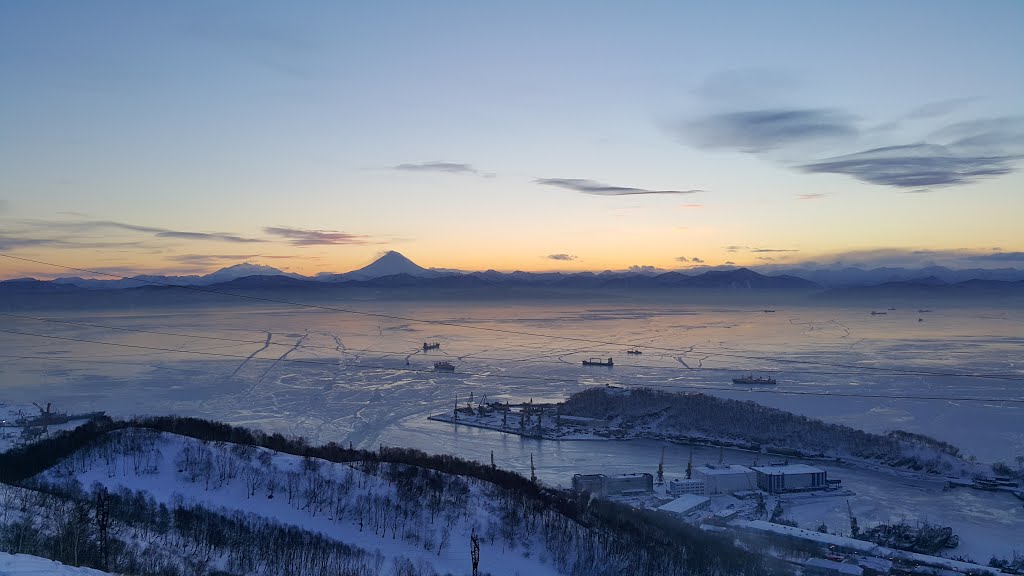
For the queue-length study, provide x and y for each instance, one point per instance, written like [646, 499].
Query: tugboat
[598, 362]
[431, 346]
[444, 367]
[634, 351]
[751, 379]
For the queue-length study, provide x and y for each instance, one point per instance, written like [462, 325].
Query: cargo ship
[598, 362]
[754, 380]
[634, 351]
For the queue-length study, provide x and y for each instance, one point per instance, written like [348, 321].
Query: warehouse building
[725, 479]
[602, 485]
[593, 483]
[686, 504]
[790, 478]
[623, 483]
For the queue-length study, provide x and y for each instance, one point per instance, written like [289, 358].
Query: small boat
[431, 346]
[634, 351]
[923, 310]
[444, 367]
[751, 379]
[598, 362]
[876, 313]
[767, 311]
[891, 309]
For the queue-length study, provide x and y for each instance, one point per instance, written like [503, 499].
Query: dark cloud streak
[599, 189]
[757, 131]
[302, 237]
[915, 166]
[563, 257]
[443, 167]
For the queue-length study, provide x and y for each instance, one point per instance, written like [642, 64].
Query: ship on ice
[751, 379]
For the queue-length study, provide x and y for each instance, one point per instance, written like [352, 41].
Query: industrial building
[602, 485]
[790, 478]
[822, 567]
[725, 478]
[686, 504]
[680, 487]
[593, 483]
[622, 483]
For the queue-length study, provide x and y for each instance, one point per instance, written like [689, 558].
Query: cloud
[1000, 257]
[560, 257]
[762, 130]
[443, 167]
[599, 189]
[14, 242]
[810, 196]
[730, 263]
[87, 226]
[209, 259]
[696, 260]
[735, 248]
[967, 152]
[939, 108]
[915, 166]
[765, 250]
[909, 258]
[302, 237]
[646, 269]
[682, 258]
[692, 206]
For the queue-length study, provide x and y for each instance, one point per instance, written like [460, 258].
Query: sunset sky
[313, 136]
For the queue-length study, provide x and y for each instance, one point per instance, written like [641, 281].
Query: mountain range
[394, 274]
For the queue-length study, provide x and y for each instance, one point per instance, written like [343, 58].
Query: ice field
[366, 380]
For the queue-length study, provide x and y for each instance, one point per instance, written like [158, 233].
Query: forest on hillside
[746, 424]
[394, 494]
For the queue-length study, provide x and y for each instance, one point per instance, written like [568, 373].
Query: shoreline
[852, 462]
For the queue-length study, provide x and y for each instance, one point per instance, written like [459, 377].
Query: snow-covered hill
[383, 509]
[25, 565]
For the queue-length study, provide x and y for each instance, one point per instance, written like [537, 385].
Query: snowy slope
[179, 469]
[25, 565]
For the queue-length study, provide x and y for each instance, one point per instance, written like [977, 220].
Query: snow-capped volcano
[390, 264]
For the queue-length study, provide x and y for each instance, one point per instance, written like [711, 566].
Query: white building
[725, 478]
[790, 478]
[686, 504]
[679, 487]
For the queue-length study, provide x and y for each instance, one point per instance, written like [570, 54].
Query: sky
[183, 137]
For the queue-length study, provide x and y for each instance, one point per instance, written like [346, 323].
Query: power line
[909, 372]
[531, 377]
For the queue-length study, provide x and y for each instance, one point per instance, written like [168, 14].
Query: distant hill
[222, 275]
[393, 276]
[931, 288]
[742, 279]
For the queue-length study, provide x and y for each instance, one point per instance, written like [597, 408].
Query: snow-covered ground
[171, 469]
[25, 565]
[336, 376]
